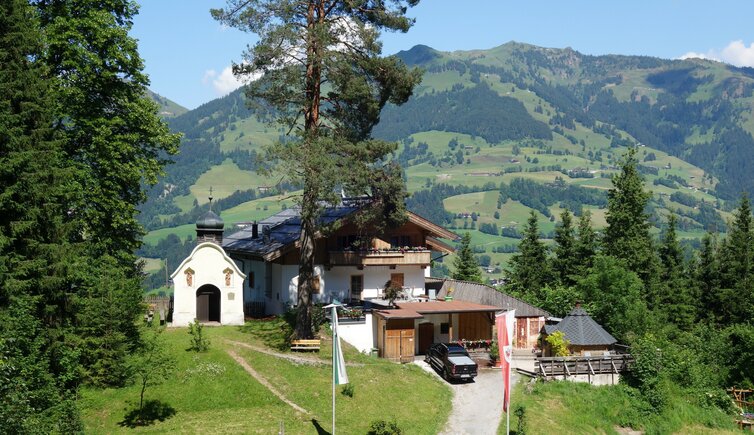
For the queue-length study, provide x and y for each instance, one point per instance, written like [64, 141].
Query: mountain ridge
[574, 114]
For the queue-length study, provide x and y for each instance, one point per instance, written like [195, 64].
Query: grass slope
[564, 407]
[210, 393]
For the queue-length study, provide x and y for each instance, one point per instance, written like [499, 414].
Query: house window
[444, 328]
[357, 285]
[400, 241]
[251, 279]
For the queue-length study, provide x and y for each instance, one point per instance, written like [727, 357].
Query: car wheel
[445, 374]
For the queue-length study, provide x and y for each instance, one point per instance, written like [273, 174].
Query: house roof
[582, 330]
[279, 233]
[417, 310]
[483, 294]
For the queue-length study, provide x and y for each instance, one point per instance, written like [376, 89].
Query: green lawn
[563, 407]
[210, 393]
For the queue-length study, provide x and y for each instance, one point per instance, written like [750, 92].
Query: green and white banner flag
[340, 376]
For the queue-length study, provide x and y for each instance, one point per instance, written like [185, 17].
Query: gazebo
[586, 337]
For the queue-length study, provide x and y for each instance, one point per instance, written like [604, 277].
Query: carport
[411, 327]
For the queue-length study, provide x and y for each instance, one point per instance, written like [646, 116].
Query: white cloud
[695, 55]
[223, 83]
[738, 54]
[226, 82]
[735, 53]
[208, 75]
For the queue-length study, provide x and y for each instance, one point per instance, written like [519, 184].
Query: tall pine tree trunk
[306, 265]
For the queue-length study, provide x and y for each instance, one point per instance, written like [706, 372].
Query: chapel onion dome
[210, 221]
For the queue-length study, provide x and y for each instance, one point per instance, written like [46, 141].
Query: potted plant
[494, 354]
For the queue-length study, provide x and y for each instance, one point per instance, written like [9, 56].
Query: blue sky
[187, 54]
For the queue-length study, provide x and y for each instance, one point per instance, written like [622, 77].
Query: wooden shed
[411, 327]
[395, 335]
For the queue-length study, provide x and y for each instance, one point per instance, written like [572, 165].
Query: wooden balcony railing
[419, 257]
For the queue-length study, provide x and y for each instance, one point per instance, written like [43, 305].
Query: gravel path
[477, 406]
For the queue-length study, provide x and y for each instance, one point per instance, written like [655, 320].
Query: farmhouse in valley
[254, 272]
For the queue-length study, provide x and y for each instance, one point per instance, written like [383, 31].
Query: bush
[199, 343]
[348, 390]
[382, 427]
[559, 343]
[520, 412]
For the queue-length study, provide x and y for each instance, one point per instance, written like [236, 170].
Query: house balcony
[381, 257]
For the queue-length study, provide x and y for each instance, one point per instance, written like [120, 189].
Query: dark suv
[451, 361]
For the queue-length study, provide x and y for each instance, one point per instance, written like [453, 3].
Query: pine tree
[627, 236]
[303, 45]
[529, 269]
[38, 371]
[465, 266]
[564, 264]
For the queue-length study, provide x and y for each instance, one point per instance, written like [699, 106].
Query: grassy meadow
[563, 407]
[209, 392]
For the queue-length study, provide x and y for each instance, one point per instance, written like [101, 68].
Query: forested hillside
[490, 135]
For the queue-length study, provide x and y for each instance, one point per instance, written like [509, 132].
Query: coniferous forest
[79, 139]
[686, 318]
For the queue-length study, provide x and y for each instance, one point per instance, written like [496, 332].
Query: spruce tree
[529, 269]
[318, 66]
[736, 266]
[675, 299]
[564, 264]
[707, 279]
[627, 236]
[465, 266]
[38, 371]
[585, 247]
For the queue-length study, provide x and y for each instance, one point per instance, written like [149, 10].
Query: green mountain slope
[549, 124]
[168, 108]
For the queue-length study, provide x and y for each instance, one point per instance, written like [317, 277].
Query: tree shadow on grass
[274, 332]
[320, 429]
[154, 410]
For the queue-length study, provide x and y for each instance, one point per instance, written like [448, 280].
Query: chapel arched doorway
[208, 303]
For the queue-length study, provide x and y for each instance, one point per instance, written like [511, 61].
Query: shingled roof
[484, 295]
[581, 330]
[277, 232]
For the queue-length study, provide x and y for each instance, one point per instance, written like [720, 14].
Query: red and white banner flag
[505, 325]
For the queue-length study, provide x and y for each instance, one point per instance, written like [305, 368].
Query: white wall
[338, 278]
[360, 336]
[208, 261]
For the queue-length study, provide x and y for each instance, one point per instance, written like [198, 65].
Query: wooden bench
[745, 425]
[312, 344]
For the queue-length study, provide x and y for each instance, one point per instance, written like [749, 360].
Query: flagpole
[508, 421]
[334, 364]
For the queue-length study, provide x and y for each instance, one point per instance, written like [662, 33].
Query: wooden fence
[159, 304]
[553, 367]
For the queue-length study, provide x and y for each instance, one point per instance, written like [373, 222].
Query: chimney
[578, 304]
[254, 230]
